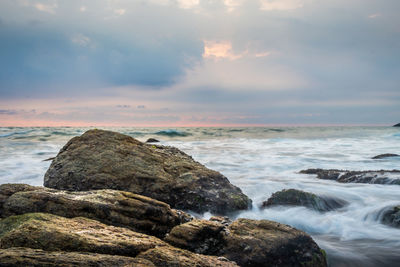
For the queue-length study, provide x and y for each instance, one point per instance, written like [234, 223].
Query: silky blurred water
[262, 161]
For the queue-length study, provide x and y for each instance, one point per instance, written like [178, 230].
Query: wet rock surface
[387, 155]
[108, 160]
[118, 208]
[367, 177]
[391, 216]
[250, 242]
[53, 233]
[22, 257]
[294, 197]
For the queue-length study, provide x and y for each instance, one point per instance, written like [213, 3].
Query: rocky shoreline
[110, 200]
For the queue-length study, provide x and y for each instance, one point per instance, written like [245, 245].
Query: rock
[22, 257]
[387, 155]
[152, 140]
[267, 243]
[53, 233]
[249, 242]
[396, 125]
[200, 236]
[118, 208]
[108, 160]
[367, 177]
[294, 197]
[174, 257]
[7, 190]
[391, 216]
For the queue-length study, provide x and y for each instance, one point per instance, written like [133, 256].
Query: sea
[261, 161]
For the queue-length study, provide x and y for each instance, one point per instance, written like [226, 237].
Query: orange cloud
[220, 50]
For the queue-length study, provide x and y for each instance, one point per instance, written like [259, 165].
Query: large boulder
[53, 233]
[22, 257]
[294, 197]
[117, 208]
[366, 177]
[391, 216]
[108, 160]
[249, 243]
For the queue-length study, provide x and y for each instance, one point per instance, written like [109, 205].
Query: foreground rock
[391, 216]
[108, 160]
[22, 257]
[249, 242]
[53, 233]
[7, 190]
[295, 197]
[387, 155]
[118, 208]
[366, 177]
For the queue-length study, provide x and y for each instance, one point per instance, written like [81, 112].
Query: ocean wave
[172, 133]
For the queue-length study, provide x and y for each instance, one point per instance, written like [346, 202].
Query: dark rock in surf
[294, 197]
[391, 216]
[53, 233]
[108, 160]
[152, 140]
[22, 257]
[387, 155]
[249, 242]
[366, 177]
[396, 125]
[118, 208]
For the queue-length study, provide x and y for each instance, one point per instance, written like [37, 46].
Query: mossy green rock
[53, 233]
[22, 257]
[294, 197]
[117, 208]
[108, 160]
[249, 243]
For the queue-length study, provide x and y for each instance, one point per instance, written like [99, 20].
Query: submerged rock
[108, 160]
[296, 197]
[391, 216]
[366, 177]
[387, 155]
[22, 257]
[152, 140]
[53, 233]
[117, 208]
[249, 242]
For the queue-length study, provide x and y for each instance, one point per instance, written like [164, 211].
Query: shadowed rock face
[366, 177]
[7, 190]
[53, 233]
[117, 208]
[107, 160]
[295, 197]
[392, 217]
[387, 155]
[22, 257]
[249, 242]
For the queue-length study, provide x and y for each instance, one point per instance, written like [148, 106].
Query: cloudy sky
[199, 62]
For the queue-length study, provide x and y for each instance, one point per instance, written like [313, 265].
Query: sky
[199, 62]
